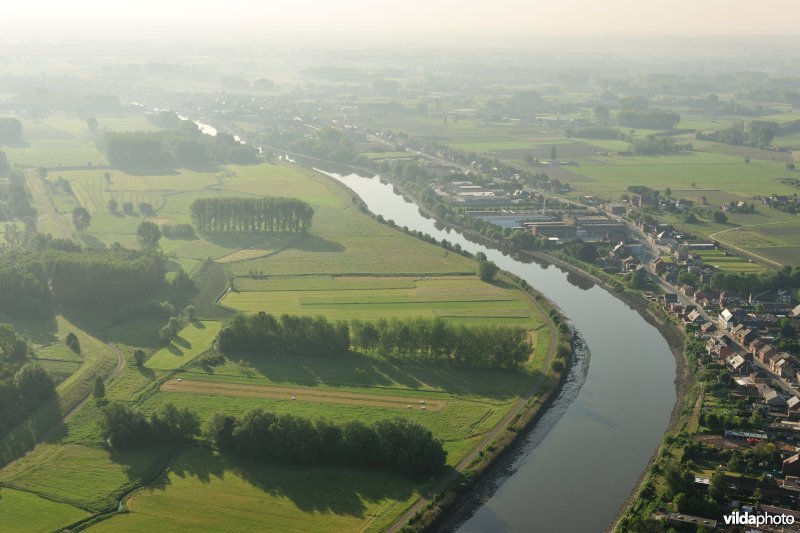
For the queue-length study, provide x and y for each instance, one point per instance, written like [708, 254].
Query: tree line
[14, 198]
[421, 337]
[62, 273]
[125, 426]
[293, 335]
[650, 119]
[187, 146]
[398, 444]
[436, 339]
[251, 215]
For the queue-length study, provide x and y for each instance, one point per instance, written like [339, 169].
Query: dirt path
[116, 372]
[302, 394]
[36, 186]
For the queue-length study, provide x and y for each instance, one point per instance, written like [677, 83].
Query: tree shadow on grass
[312, 243]
[312, 488]
[148, 170]
[359, 370]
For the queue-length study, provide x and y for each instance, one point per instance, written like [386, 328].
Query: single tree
[720, 217]
[73, 343]
[92, 124]
[139, 356]
[191, 312]
[148, 235]
[99, 388]
[113, 205]
[487, 270]
[553, 153]
[81, 218]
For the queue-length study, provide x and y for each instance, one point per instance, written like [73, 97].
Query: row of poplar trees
[251, 215]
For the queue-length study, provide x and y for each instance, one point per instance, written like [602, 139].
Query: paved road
[486, 440]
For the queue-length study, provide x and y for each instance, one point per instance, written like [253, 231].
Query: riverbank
[673, 334]
[428, 511]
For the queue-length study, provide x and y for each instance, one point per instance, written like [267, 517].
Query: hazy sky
[352, 18]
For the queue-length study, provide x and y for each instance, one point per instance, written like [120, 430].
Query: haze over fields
[440, 19]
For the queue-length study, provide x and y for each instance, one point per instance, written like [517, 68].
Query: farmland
[217, 493]
[191, 341]
[24, 511]
[348, 266]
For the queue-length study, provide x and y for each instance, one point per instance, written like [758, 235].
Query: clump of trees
[81, 218]
[15, 201]
[420, 338]
[62, 273]
[10, 130]
[178, 231]
[148, 235]
[265, 334]
[251, 215]
[648, 119]
[125, 426]
[185, 146]
[21, 395]
[757, 133]
[398, 444]
[486, 269]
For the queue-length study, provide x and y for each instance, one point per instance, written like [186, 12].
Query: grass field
[22, 512]
[728, 262]
[216, 493]
[458, 298]
[347, 266]
[193, 340]
[85, 476]
[300, 394]
[355, 387]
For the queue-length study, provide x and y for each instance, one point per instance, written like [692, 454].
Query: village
[748, 338]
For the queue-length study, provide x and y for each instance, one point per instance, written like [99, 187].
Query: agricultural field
[193, 340]
[727, 262]
[23, 511]
[202, 488]
[465, 402]
[86, 476]
[348, 266]
[457, 298]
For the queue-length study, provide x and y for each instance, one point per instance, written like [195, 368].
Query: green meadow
[193, 340]
[216, 493]
[22, 511]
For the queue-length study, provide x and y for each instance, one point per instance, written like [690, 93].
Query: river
[575, 469]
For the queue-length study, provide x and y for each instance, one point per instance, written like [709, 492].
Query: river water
[574, 471]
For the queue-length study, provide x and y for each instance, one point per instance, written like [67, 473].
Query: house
[694, 317]
[708, 327]
[687, 290]
[629, 264]
[669, 298]
[778, 364]
[773, 399]
[659, 265]
[793, 403]
[745, 335]
[766, 354]
[756, 345]
[796, 311]
[737, 363]
[718, 347]
[728, 318]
